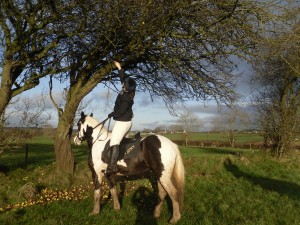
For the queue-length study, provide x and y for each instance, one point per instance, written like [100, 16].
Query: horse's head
[84, 130]
[90, 129]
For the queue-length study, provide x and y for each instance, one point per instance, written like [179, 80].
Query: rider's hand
[118, 65]
[110, 115]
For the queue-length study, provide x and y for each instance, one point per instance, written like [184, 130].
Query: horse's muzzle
[78, 140]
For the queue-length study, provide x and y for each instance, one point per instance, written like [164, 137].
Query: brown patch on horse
[148, 158]
[151, 154]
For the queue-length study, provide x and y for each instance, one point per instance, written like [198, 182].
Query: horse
[156, 153]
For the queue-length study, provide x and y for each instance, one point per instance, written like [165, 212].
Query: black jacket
[123, 104]
[123, 107]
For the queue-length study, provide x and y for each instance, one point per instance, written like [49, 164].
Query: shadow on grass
[218, 151]
[143, 200]
[31, 155]
[34, 155]
[282, 187]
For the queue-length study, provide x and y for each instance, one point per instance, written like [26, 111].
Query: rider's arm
[121, 71]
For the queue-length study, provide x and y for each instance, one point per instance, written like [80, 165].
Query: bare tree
[178, 50]
[278, 102]
[160, 129]
[27, 41]
[23, 118]
[231, 120]
[32, 114]
[189, 123]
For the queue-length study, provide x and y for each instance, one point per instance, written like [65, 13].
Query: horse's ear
[82, 115]
[91, 114]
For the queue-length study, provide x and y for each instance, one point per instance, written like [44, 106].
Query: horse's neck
[100, 141]
[101, 134]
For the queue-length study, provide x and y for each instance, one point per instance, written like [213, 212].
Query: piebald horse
[156, 153]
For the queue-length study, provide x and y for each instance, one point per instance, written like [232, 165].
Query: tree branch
[59, 110]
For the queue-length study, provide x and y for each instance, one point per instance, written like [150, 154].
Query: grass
[223, 186]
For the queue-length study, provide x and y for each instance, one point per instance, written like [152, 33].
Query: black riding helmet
[129, 84]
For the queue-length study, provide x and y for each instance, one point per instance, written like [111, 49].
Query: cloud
[200, 108]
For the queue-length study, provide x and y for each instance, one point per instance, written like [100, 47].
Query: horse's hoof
[93, 213]
[174, 220]
[117, 208]
[156, 214]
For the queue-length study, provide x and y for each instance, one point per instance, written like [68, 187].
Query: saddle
[129, 148]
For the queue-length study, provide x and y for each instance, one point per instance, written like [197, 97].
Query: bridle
[81, 139]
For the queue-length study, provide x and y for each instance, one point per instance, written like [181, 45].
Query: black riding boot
[112, 166]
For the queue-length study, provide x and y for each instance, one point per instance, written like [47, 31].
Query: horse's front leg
[97, 180]
[97, 196]
[113, 191]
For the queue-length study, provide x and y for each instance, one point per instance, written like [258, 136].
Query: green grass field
[223, 186]
[213, 136]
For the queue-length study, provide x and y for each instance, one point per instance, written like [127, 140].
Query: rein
[103, 122]
[99, 134]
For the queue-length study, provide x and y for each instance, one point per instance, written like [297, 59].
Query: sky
[149, 113]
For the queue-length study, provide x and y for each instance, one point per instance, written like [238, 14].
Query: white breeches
[120, 130]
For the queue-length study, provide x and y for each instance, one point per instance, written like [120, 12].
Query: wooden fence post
[26, 155]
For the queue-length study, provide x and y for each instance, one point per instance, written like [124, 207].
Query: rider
[122, 115]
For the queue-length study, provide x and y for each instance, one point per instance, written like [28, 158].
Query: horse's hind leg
[167, 184]
[161, 196]
[115, 197]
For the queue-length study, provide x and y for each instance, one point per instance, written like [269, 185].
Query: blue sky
[148, 114]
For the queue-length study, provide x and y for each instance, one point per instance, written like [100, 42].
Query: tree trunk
[62, 146]
[63, 151]
[5, 90]
[186, 139]
[3, 104]
[231, 138]
[65, 162]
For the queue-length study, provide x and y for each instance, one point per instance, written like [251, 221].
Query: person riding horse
[122, 114]
[157, 154]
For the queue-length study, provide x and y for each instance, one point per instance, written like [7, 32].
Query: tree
[278, 102]
[27, 41]
[174, 50]
[30, 114]
[231, 120]
[34, 42]
[160, 129]
[189, 122]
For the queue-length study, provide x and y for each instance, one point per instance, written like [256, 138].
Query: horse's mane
[94, 123]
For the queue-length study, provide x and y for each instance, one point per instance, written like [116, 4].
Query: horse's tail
[179, 178]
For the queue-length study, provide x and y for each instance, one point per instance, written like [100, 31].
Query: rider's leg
[112, 166]
[119, 130]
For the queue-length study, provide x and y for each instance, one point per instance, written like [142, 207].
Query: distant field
[213, 136]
